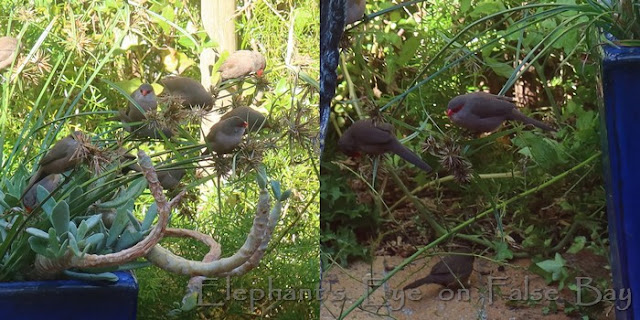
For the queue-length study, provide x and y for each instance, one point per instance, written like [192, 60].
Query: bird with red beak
[485, 112]
[243, 63]
[226, 135]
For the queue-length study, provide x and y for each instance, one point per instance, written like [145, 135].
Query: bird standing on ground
[63, 156]
[243, 63]
[451, 271]
[254, 119]
[226, 135]
[485, 112]
[365, 136]
[8, 51]
[190, 92]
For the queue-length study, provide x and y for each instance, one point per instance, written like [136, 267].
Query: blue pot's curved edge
[125, 279]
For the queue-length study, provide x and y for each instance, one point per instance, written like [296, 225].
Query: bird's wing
[487, 105]
[368, 133]
[58, 151]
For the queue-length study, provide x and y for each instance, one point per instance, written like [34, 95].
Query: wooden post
[218, 21]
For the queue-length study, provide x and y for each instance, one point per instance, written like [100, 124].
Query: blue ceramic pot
[621, 154]
[70, 299]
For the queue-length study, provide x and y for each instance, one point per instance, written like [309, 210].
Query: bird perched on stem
[354, 10]
[8, 51]
[243, 63]
[50, 183]
[169, 179]
[226, 135]
[254, 119]
[145, 96]
[63, 156]
[485, 112]
[451, 271]
[365, 136]
[190, 92]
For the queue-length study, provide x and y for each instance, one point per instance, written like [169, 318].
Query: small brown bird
[8, 51]
[255, 119]
[169, 179]
[451, 271]
[365, 136]
[63, 156]
[50, 183]
[242, 63]
[151, 130]
[485, 112]
[146, 98]
[189, 91]
[127, 157]
[354, 10]
[226, 135]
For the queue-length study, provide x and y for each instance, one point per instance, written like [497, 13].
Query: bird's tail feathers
[419, 282]
[409, 156]
[519, 116]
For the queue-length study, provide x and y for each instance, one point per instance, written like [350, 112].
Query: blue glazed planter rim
[613, 54]
[124, 277]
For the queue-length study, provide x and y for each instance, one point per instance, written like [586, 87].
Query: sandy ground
[513, 297]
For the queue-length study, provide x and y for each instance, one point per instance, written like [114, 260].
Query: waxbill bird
[242, 63]
[485, 112]
[152, 130]
[365, 136]
[226, 135]
[254, 119]
[8, 51]
[190, 92]
[451, 271]
[169, 179]
[127, 157]
[50, 183]
[146, 98]
[354, 10]
[63, 156]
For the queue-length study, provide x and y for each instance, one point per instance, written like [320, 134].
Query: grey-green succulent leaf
[59, 216]
[38, 233]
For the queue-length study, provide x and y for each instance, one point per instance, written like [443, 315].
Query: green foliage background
[61, 88]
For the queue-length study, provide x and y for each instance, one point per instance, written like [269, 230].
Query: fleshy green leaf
[60, 218]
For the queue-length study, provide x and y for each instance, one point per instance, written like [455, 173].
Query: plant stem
[450, 178]
[423, 212]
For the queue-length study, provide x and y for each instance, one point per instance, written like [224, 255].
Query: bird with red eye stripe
[485, 112]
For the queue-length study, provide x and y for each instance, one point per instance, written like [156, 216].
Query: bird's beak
[449, 112]
[245, 124]
[145, 92]
[259, 73]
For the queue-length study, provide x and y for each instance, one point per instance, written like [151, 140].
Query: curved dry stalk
[168, 261]
[215, 250]
[257, 256]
